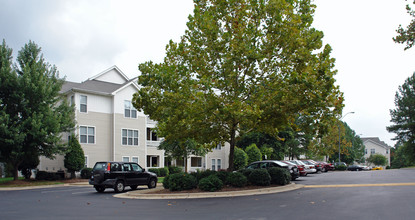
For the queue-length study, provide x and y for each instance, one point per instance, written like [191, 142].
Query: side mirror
[144, 170]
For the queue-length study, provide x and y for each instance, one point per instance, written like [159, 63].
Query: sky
[84, 38]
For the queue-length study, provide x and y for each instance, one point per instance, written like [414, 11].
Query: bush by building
[211, 183]
[181, 181]
[279, 176]
[237, 179]
[259, 177]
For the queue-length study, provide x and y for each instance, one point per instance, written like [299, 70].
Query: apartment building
[111, 129]
[373, 145]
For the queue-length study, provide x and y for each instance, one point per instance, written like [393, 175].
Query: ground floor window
[134, 159]
[216, 164]
[86, 161]
[153, 161]
[196, 162]
[125, 159]
[167, 162]
[180, 162]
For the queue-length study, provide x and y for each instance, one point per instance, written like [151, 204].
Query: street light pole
[339, 130]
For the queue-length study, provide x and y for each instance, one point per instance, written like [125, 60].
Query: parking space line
[359, 185]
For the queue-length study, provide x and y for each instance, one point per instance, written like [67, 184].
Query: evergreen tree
[403, 117]
[253, 152]
[74, 158]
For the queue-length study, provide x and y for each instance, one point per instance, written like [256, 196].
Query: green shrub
[237, 179]
[166, 182]
[164, 171]
[181, 181]
[173, 169]
[260, 177]
[211, 183]
[86, 173]
[223, 175]
[279, 176]
[43, 175]
[254, 153]
[240, 159]
[154, 170]
[246, 172]
[340, 167]
[200, 174]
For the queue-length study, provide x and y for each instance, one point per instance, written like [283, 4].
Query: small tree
[378, 159]
[74, 158]
[253, 152]
[241, 159]
[28, 164]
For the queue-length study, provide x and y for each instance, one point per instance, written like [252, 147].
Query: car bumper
[106, 183]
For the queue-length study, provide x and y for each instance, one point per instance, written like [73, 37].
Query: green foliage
[86, 173]
[200, 174]
[181, 181]
[246, 172]
[74, 158]
[403, 117]
[259, 177]
[43, 175]
[254, 154]
[340, 167]
[32, 112]
[166, 182]
[238, 66]
[30, 163]
[174, 169]
[269, 145]
[162, 171]
[223, 176]
[377, 159]
[399, 158]
[211, 183]
[237, 179]
[240, 159]
[407, 35]
[279, 176]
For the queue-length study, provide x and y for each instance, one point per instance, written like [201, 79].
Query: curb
[148, 195]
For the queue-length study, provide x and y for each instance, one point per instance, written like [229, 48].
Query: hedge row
[212, 180]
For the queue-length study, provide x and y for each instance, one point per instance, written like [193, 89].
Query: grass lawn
[8, 182]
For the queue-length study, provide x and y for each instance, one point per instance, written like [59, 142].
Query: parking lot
[345, 195]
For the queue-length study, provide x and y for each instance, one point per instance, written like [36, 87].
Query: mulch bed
[32, 182]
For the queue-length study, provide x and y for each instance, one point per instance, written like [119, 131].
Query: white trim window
[87, 135]
[134, 159]
[372, 151]
[129, 110]
[216, 164]
[213, 164]
[86, 161]
[125, 159]
[196, 162]
[83, 104]
[129, 137]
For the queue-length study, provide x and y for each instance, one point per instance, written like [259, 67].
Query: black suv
[117, 175]
[275, 163]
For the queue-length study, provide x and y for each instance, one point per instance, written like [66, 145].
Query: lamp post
[339, 130]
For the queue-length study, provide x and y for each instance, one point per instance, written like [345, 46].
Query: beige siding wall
[378, 150]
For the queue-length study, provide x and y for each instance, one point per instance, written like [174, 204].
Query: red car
[326, 166]
[301, 168]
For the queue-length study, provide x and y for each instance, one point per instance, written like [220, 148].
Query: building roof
[377, 141]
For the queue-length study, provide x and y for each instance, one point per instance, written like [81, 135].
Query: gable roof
[117, 70]
[94, 86]
[375, 140]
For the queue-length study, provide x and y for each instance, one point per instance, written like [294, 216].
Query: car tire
[119, 186]
[99, 189]
[152, 183]
[133, 187]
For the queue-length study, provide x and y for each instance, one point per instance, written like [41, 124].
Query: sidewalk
[146, 194]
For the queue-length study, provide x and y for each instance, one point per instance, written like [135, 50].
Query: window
[72, 100]
[134, 159]
[125, 159]
[136, 167]
[219, 164]
[83, 105]
[87, 135]
[152, 161]
[218, 147]
[196, 162]
[129, 137]
[372, 151]
[86, 161]
[213, 164]
[129, 110]
[387, 151]
[151, 135]
[365, 150]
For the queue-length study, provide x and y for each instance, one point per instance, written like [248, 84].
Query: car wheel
[152, 183]
[134, 187]
[99, 189]
[323, 170]
[119, 186]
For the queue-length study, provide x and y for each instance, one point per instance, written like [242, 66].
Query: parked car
[355, 168]
[316, 165]
[377, 168]
[340, 164]
[367, 168]
[308, 168]
[326, 166]
[275, 163]
[118, 175]
[301, 168]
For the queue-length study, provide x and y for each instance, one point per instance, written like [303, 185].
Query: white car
[308, 168]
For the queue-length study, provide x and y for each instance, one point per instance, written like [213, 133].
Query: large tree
[241, 65]
[32, 112]
[403, 117]
[74, 156]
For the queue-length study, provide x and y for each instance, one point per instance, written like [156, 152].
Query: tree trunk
[232, 149]
[15, 173]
